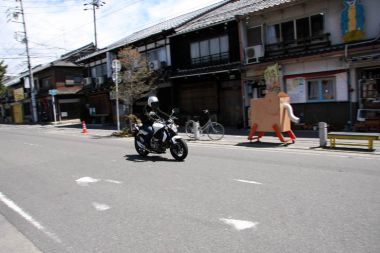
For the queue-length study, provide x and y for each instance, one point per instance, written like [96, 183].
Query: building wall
[332, 10]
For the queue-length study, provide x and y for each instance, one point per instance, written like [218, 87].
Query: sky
[55, 27]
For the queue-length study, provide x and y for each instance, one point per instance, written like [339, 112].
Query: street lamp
[96, 4]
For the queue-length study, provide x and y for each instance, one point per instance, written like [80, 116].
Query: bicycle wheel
[189, 128]
[215, 131]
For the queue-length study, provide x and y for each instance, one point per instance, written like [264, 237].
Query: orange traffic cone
[84, 128]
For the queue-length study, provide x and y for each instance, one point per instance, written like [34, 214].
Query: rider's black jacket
[148, 119]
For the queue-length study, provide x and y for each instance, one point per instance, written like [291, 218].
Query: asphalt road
[67, 192]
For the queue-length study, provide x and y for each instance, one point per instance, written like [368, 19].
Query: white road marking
[248, 182]
[85, 181]
[12, 205]
[239, 224]
[113, 181]
[100, 207]
[31, 144]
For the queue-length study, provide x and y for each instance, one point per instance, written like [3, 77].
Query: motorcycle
[165, 136]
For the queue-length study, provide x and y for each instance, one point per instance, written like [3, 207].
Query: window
[295, 29]
[158, 54]
[99, 70]
[287, 31]
[303, 28]
[254, 36]
[273, 34]
[73, 80]
[317, 24]
[322, 89]
[46, 83]
[211, 50]
[194, 50]
[204, 48]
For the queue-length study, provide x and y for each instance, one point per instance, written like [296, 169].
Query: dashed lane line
[26, 216]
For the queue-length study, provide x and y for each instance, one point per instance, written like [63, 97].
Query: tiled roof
[156, 29]
[38, 68]
[57, 63]
[228, 12]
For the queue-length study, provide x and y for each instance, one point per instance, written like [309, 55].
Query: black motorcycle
[165, 136]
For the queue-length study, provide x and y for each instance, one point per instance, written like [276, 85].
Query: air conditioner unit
[154, 65]
[253, 54]
[87, 81]
[99, 81]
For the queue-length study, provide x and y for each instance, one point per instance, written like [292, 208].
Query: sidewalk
[13, 241]
[306, 139]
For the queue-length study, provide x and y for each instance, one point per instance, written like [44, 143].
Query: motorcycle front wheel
[140, 151]
[179, 150]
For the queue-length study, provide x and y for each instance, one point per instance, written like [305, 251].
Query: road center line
[12, 205]
[248, 182]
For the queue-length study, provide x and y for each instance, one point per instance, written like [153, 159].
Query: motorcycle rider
[152, 112]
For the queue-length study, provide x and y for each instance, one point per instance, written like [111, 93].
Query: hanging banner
[26, 83]
[272, 78]
[352, 20]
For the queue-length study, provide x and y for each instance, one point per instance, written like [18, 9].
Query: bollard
[196, 130]
[322, 134]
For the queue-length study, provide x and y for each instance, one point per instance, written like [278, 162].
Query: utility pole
[31, 81]
[96, 4]
[116, 67]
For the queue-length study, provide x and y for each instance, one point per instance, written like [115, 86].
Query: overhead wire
[119, 6]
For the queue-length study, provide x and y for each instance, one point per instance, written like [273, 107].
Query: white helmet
[153, 102]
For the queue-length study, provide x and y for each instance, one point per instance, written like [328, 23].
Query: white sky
[55, 27]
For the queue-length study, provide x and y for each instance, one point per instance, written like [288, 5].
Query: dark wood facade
[210, 81]
[67, 80]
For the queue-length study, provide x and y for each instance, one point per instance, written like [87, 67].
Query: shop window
[322, 89]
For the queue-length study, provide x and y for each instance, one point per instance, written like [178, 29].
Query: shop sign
[296, 90]
[18, 94]
[53, 92]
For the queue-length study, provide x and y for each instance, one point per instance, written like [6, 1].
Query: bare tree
[3, 69]
[138, 80]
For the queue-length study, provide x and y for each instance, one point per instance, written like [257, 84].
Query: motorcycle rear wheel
[179, 150]
[140, 151]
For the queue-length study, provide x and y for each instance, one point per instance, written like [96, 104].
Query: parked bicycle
[213, 129]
